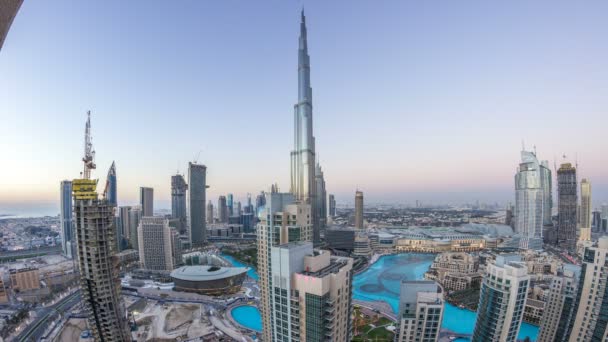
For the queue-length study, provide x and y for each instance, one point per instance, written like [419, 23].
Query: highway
[34, 331]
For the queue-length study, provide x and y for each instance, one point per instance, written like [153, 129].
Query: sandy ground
[71, 330]
[179, 315]
[168, 322]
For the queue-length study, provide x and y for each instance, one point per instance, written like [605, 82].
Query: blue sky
[412, 99]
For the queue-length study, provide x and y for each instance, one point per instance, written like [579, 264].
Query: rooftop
[206, 273]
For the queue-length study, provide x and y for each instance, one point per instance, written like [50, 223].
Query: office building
[260, 201]
[566, 207]
[559, 312]
[321, 205]
[502, 300]
[282, 220]
[303, 155]
[585, 214]
[342, 238]
[529, 202]
[8, 11]
[125, 224]
[596, 221]
[179, 209]
[24, 279]
[591, 318]
[332, 205]
[222, 209]
[359, 210]
[546, 185]
[176, 247]
[65, 217]
[420, 311]
[248, 209]
[146, 201]
[312, 294]
[155, 244]
[197, 183]
[111, 186]
[237, 209]
[135, 215]
[230, 204]
[210, 212]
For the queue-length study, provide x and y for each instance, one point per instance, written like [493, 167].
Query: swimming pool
[248, 316]
[381, 281]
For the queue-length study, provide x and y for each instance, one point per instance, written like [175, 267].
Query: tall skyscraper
[209, 212]
[529, 202]
[8, 11]
[321, 205]
[566, 207]
[248, 209]
[237, 209]
[230, 204]
[359, 210]
[546, 185]
[65, 217]
[559, 312]
[125, 225]
[585, 216]
[282, 220]
[135, 215]
[155, 242]
[502, 300]
[303, 154]
[197, 182]
[260, 201]
[111, 186]
[332, 205]
[312, 294]
[179, 209]
[591, 318]
[222, 209]
[146, 201]
[97, 261]
[420, 311]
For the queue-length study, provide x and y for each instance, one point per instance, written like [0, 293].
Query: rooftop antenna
[198, 155]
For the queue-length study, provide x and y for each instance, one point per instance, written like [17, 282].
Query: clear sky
[413, 100]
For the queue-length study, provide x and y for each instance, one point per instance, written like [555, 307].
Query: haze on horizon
[412, 100]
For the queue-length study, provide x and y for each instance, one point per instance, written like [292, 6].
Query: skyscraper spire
[89, 152]
[303, 154]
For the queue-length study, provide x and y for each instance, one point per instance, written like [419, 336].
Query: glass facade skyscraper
[197, 189]
[65, 217]
[529, 202]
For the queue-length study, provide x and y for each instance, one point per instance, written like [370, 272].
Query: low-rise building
[25, 279]
[455, 271]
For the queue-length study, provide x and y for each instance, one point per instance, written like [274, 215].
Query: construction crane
[89, 152]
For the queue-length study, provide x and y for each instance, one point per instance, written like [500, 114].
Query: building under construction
[96, 250]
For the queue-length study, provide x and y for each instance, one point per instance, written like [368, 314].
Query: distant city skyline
[412, 102]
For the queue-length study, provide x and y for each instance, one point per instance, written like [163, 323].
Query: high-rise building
[591, 304]
[359, 210]
[8, 11]
[65, 217]
[237, 209]
[529, 202]
[502, 300]
[566, 207]
[312, 294]
[155, 241]
[596, 221]
[248, 209]
[146, 201]
[260, 201]
[179, 209]
[209, 212]
[125, 225]
[135, 215]
[585, 215]
[321, 205]
[282, 220]
[420, 311]
[176, 248]
[222, 209]
[230, 204]
[197, 183]
[546, 185]
[94, 233]
[111, 186]
[303, 155]
[332, 205]
[559, 312]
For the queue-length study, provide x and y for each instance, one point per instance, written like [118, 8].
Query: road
[34, 331]
[26, 253]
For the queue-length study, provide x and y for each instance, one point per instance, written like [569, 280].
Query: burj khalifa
[303, 154]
